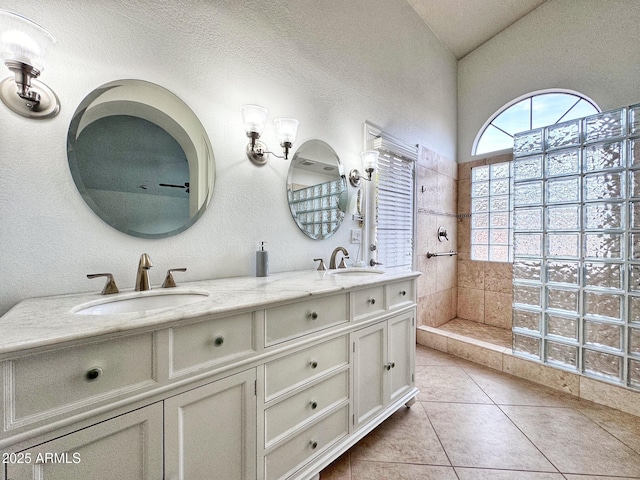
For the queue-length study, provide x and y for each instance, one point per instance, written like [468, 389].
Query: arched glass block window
[533, 110]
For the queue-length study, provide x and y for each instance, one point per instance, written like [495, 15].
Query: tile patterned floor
[474, 423]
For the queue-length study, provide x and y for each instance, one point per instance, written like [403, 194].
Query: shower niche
[576, 273]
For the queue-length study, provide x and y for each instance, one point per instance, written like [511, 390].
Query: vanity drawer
[401, 294]
[306, 405]
[297, 319]
[212, 342]
[57, 381]
[301, 367]
[308, 444]
[368, 302]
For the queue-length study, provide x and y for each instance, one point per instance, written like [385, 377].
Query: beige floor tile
[574, 443]
[429, 356]
[484, 474]
[509, 390]
[340, 469]
[597, 477]
[395, 471]
[625, 427]
[406, 437]
[443, 383]
[483, 436]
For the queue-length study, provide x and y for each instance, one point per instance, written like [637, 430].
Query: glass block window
[532, 111]
[576, 273]
[491, 235]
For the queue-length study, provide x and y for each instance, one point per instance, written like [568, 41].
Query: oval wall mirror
[317, 189]
[141, 159]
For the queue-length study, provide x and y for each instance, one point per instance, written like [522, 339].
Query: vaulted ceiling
[464, 25]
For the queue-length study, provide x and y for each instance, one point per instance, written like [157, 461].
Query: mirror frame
[157, 105]
[327, 192]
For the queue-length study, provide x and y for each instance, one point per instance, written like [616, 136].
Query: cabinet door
[210, 432]
[128, 447]
[369, 347]
[401, 354]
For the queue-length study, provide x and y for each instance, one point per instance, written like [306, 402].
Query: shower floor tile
[500, 337]
[474, 423]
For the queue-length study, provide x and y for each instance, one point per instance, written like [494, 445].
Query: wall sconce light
[24, 46]
[369, 162]
[254, 118]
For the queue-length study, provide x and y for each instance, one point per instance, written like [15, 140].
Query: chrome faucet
[332, 262]
[142, 278]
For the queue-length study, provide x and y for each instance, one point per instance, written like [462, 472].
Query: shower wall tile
[471, 304]
[438, 308]
[427, 281]
[447, 167]
[464, 169]
[497, 310]
[427, 232]
[464, 236]
[429, 180]
[464, 196]
[446, 194]
[428, 158]
[471, 274]
[498, 278]
[446, 273]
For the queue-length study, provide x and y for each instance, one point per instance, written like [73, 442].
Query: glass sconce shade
[254, 118]
[24, 46]
[369, 161]
[24, 41]
[287, 129]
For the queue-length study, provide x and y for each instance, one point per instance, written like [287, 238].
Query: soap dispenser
[262, 262]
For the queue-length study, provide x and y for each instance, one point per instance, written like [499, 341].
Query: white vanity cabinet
[383, 365]
[273, 387]
[210, 431]
[127, 447]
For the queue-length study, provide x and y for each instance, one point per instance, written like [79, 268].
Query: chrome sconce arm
[254, 118]
[369, 162]
[24, 46]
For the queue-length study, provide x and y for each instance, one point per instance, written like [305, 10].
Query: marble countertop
[39, 322]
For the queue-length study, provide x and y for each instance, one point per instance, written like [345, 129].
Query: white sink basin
[356, 271]
[143, 302]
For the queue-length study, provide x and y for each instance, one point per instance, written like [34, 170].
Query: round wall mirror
[141, 159]
[317, 189]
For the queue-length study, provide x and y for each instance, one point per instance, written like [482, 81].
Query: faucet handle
[110, 287]
[321, 267]
[342, 262]
[168, 280]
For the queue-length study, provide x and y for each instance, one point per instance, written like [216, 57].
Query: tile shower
[576, 272]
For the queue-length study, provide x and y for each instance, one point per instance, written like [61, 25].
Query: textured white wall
[332, 64]
[591, 46]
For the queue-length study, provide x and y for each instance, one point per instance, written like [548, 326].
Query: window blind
[394, 207]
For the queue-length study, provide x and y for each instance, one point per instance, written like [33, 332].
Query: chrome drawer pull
[218, 341]
[313, 315]
[93, 374]
[372, 301]
[313, 444]
[314, 405]
[313, 364]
